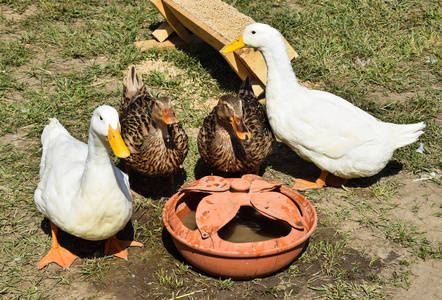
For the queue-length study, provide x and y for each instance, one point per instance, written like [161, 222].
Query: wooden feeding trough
[216, 23]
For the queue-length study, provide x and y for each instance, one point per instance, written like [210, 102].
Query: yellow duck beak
[116, 142]
[238, 44]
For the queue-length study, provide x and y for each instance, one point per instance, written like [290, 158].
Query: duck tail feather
[132, 84]
[246, 89]
[408, 133]
[53, 130]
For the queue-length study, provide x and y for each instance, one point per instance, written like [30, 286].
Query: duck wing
[62, 164]
[136, 122]
[328, 125]
[59, 145]
[255, 116]
[206, 137]
[256, 121]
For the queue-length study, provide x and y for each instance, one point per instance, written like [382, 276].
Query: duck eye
[101, 119]
[253, 32]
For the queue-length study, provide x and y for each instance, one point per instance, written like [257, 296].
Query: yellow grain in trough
[216, 23]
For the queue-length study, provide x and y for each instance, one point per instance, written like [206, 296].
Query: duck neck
[280, 74]
[224, 132]
[162, 130]
[98, 163]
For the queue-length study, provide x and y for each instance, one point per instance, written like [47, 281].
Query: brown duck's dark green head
[229, 111]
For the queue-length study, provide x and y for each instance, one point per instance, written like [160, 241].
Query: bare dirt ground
[371, 242]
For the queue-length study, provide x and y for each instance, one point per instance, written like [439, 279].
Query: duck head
[257, 36]
[163, 115]
[105, 124]
[229, 111]
[162, 112]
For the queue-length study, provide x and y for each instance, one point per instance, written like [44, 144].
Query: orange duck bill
[240, 128]
[169, 116]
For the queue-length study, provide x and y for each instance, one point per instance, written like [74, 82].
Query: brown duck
[236, 137]
[154, 136]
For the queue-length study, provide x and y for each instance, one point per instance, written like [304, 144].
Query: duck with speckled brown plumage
[236, 137]
[154, 136]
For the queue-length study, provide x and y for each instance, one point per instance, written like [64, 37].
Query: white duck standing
[320, 127]
[80, 190]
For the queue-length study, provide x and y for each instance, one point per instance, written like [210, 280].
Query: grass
[343, 290]
[64, 58]
[94, 268]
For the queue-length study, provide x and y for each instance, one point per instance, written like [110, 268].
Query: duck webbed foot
[323, 180]
[57, 254]
[118, 247]
[335, 181]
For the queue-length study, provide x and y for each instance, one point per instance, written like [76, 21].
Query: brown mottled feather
[222, 150]
[153, 152]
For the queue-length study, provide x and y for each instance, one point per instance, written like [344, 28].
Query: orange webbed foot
[60, 256]
[335, 181]
[303, 184]
[118, 247]
[57, 254]
[323, 180]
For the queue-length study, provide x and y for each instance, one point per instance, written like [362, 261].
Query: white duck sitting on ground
[80, 190]
[321, 127]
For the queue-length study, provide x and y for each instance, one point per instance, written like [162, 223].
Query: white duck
[323, 128]
[80, 190]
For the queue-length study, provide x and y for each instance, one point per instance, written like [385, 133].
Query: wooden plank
[243, 71]
[237, 65]
[172, 20]
[163, 32]
[149, 44]
[255, 62]
[245, 62]
[257, 86]
[207, 34]
[292, 53]
[174, 41]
